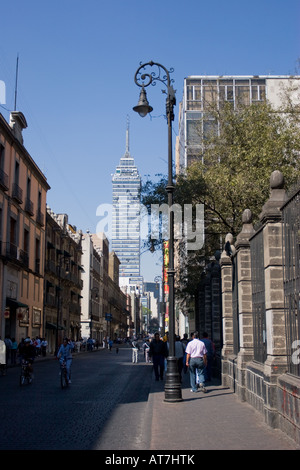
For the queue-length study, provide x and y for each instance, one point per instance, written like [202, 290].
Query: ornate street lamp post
[142, 79]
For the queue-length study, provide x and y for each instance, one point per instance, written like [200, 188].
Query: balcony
[17, 193]
[51, 266]
[40, 218]
[50, 300]
[75, 309]
[3, 180]
[23, 258]
[29, 206]
[14, 253]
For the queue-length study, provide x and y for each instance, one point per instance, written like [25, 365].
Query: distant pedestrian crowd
[194, 355]
[13, 349]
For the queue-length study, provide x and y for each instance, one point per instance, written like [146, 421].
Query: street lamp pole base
[172, 383]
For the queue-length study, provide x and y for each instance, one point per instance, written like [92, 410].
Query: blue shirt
[65, 351]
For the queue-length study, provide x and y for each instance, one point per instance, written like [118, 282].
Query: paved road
[116, 406]
[105, 391]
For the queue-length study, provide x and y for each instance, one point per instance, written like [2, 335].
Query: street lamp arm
[154, 76]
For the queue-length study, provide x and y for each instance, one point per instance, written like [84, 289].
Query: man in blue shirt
[65, 355]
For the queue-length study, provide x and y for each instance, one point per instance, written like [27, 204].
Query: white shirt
[196, 348]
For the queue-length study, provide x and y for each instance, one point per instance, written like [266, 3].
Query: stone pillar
[276, 362]
[243, 254]
[227, 319]
[207, 298]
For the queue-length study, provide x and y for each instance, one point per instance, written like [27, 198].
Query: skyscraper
[126, 183]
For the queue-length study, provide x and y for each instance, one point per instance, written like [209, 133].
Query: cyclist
[64, 354]
[27, 353]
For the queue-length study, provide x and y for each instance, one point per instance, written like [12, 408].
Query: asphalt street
[106, 388]
[117, 407]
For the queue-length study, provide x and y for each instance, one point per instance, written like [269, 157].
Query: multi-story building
[118, 314]
[23, 191]
[201, 92]
[63, 283]
[92, 301]
[150, 316]
[125, 241]
[101, 245]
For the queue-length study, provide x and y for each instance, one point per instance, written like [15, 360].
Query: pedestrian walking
[196, 361]
[135, 351]
[8, 345]
[179, 354]
[158, 352]
[211, 353]
[13, 351]
[146, 348]
[44, 344]
[184, 343]
[37, 345]
[2, 357]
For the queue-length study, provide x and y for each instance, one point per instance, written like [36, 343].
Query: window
[2, 150]
[17, 171]
[37, 255]
[242, 94]
[26, 241]
[28, 187]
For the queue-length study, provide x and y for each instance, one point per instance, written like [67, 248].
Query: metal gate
[235, 306]
[291, 278]
[258, 296]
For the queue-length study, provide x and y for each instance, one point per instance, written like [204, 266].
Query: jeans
[135, 354]
[158, 366]
[196, 368]
[68, 366]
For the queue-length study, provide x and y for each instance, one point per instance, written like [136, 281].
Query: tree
[233, 171]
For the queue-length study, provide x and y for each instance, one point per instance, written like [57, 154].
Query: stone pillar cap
[271, 209]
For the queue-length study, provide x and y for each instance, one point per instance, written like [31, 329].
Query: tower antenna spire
[16, 83]
[127, 136]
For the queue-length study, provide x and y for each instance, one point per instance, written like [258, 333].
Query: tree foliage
[232, 173]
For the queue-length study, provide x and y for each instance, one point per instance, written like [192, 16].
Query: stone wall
[264, 383]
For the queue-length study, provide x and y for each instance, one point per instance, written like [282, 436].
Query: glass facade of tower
[126, 217]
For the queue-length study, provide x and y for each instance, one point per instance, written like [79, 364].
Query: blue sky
[77, 62]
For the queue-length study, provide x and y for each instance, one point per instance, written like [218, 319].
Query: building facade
[119, 316]
[201, 92]
[23, 191]
[101, 245]
[92, 320]
[62, 280]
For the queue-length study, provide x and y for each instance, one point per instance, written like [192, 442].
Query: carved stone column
[227, 318]
[244, 287]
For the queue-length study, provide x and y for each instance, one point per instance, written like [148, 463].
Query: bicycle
[26, 373]
[64, 382]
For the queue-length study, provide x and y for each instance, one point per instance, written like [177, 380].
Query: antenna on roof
[16, 84]
[127, 136]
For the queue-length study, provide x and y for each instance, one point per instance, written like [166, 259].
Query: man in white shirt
[196, 360]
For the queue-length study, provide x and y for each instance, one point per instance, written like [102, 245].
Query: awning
[14, 303]
[52, 326]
